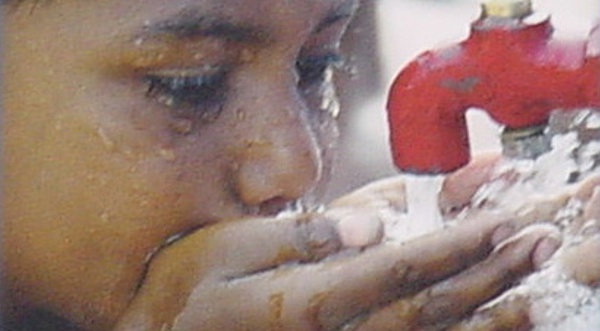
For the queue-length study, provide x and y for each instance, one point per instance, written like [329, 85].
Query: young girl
[148, 145]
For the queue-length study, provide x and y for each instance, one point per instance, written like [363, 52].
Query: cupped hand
[578, 261]
[517, 311]
[321, 272]
[582, 261]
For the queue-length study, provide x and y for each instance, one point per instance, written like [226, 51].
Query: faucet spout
[510, 67]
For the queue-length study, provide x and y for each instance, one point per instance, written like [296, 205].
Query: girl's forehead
[258, 9]
[111, 25]
[248, 19]
[256, 12]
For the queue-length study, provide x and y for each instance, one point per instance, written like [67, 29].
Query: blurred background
[385, 36]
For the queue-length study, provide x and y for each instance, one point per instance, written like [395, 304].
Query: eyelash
[190, 94]
[200, 95]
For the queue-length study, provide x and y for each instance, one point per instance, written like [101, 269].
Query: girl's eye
[311, 69]
[189, 93]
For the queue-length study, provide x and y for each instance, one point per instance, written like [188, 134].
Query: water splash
[558, 302]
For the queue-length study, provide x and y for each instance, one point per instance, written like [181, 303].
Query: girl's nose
[278, 159]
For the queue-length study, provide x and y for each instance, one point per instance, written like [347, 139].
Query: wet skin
[107, 157]
[144, 138]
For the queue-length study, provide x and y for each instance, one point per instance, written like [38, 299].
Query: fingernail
[502, 232]
[316, 238]
[590, 228]
[358, 228]
[544, 250]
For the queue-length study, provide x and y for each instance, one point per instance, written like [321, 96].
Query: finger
[323, 296]
[592, 209]
[582, 262]
[444, 303]
[352, 286]
[509, 315]
[228, 252]
[255, 245]
[357, 227]
[588, 193]
[460, 186]
[385, 193]
[543, 209]
[588, 188]
[223, 251]
[249, 246]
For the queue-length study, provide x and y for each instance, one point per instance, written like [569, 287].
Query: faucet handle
[507, 8]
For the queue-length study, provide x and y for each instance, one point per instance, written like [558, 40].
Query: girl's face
[128, 122]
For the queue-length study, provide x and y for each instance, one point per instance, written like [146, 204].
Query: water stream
[423, 215]
[559, 304]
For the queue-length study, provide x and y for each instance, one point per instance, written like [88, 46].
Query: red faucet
[510, 67]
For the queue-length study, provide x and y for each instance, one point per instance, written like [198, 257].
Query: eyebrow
[191, 24]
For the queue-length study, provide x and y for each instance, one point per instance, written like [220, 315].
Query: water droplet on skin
[105, 217]
[240, 114]
[198, 56]
[182, 126]
[108, 143]
[167, 101]
[58, 126]
[167, 154]
[146, 60]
